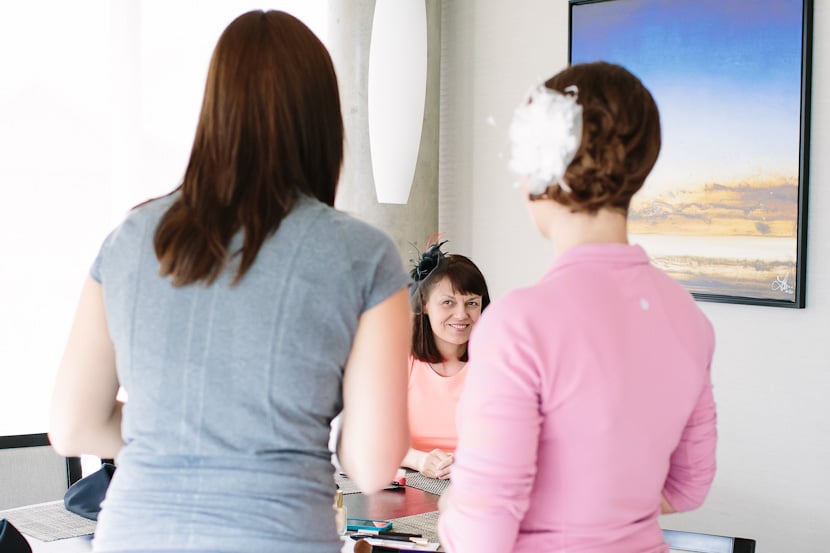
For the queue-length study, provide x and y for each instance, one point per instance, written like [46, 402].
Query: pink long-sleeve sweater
[588, 395]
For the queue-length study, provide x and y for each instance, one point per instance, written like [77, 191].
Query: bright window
[98, 107]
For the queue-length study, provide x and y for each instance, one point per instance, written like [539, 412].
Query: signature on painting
[782, 284]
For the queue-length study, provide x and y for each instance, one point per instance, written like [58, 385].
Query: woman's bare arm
[375, 431]
[85, 417]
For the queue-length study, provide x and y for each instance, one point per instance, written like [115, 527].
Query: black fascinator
[424, 267]
[427, 262]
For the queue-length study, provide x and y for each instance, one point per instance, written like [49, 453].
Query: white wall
[772, 366]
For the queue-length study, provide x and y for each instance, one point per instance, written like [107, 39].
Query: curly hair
[620, 138]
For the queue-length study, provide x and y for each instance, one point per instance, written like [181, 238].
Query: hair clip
[545, 134]
[429, 260]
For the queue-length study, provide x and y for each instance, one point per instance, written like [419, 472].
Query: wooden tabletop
[386, 504]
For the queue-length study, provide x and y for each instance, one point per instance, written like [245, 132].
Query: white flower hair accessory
[545, 134]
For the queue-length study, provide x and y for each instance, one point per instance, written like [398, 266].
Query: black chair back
[32, 472]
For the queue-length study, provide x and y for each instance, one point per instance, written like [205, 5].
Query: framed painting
[724, 210]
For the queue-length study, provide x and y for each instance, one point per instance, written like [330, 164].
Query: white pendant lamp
[397, 84]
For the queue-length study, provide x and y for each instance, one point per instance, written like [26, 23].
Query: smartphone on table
[362, 524]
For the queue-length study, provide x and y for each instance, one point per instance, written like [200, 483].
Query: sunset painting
[720, 210]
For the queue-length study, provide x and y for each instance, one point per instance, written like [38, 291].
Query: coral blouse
[432, 402]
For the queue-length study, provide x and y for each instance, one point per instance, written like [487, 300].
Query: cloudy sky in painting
[726, 75]
[768, 209]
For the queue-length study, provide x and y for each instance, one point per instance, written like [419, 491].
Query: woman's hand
[436, 464]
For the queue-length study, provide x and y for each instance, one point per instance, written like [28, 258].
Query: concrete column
[350, 32]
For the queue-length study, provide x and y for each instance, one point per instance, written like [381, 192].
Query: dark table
[387, 504]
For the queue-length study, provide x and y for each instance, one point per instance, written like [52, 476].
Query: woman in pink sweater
[588, 409]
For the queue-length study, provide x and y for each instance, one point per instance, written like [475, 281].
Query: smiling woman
[452, 315]
[447, 299]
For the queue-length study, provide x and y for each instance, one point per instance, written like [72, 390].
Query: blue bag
[84, 497]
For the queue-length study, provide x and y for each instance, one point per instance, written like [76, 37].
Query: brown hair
[620, 138]
[465, 278]
[270, 130]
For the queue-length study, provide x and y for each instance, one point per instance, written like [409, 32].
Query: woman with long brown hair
[241, 313]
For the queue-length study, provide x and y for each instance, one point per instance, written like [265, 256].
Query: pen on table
[418, 540]
[364, 546]
[384, 533]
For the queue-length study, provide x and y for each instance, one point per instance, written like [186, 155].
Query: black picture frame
[727, 217]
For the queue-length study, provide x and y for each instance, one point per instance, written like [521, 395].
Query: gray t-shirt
[231, 389]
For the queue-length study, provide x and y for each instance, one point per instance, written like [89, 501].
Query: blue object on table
[11, 540]
[84, 497]
[361, 524]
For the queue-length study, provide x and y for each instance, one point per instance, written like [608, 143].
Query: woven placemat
[415, 479]
[49, 521]
[345, 485]
[425, 524]
[348, 487]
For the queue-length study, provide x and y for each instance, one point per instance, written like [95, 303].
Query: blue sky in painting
[725, 74]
